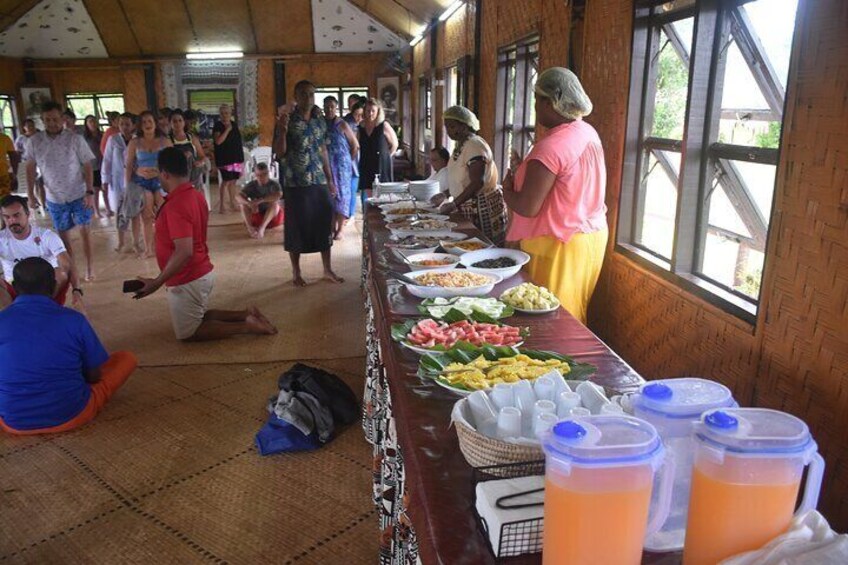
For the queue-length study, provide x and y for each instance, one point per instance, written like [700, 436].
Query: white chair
[204, 180]
[264, 154]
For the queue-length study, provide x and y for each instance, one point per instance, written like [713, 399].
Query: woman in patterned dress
[343, 151]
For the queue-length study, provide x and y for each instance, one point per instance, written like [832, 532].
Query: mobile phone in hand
[132, 286]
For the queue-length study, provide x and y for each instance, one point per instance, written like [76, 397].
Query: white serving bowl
[429, 256]
[520, 258]
[444, 292]
[459, 251]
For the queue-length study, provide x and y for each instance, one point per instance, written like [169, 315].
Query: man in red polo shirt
[183, 258]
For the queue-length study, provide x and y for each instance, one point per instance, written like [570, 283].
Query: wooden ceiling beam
[392, 15]
[14, 12]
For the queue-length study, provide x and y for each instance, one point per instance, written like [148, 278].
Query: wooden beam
[8, 18]
[740, 196]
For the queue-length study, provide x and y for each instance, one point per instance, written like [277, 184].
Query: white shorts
[188, 303]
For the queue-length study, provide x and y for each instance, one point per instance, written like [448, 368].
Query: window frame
[341, 93]
[425, 114]
[11, 129]
[516, 63]
[700, 150]
[95, 97]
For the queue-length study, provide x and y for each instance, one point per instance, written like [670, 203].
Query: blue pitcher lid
[602, 440]
[754, 431]
[683, 397]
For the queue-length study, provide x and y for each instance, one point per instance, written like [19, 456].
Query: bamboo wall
[796, 357]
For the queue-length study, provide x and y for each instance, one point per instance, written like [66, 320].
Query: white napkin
[808, 541]
[488, 493]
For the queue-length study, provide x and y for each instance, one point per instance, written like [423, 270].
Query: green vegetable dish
[465, 308]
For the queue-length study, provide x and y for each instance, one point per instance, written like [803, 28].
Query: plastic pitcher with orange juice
[599, 472]
[674, 406]
[745, 481]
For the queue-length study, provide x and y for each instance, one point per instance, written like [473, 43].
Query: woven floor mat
[324, 319]
[168, 472]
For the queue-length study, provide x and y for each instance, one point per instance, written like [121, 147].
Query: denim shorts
[66, 216]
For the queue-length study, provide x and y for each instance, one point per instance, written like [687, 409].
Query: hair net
[566, 93]
[462, 115]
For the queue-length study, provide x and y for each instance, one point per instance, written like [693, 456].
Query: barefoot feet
[332, 277]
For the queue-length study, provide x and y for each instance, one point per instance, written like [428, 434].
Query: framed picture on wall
[32, 97]
[388, 91]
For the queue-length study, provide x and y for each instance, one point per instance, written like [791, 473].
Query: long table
[422, 483]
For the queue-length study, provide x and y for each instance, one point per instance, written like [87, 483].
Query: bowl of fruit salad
[503, 262]
[530, 299]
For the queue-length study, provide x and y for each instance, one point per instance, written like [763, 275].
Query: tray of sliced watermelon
[428, 335]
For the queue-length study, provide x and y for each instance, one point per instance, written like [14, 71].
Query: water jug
[599, 473]
[745, 481]
[673, 406]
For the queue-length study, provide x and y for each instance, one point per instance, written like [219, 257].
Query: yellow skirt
[569, 270]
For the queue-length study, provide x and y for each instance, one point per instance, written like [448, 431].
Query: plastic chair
[264, 154]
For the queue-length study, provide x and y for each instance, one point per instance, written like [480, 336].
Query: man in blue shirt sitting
[55, 374]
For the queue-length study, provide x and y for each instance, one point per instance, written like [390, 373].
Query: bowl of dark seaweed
[497, 261]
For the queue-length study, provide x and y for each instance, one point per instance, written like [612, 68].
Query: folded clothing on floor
[305, 413]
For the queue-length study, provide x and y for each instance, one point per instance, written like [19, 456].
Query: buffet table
[422, 483]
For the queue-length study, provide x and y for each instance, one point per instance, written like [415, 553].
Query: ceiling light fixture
[450, 10]
[216, 55]
[416, 40]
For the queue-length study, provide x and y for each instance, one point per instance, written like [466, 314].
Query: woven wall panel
[135, 96]
[266, 97]
[456, 37]
[796, 359]
[804, 367]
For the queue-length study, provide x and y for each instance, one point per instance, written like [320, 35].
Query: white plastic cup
[612, 408]
[543, 422]
[502, 396]
[543, 407]
[579, 411]
[509, 423]
[559, 381]
[567, 401]
[545, 388]
[525, 398]
[592, 397]
[481, 408]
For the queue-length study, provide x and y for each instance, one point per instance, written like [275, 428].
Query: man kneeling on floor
[260, 202]
[183, 257]
[55, 374]
[21, 240]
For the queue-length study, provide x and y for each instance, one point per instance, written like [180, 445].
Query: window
[95, 105]
[705, 117]
[8, 116]
[454, 93]
[341, 93]
[425, 114]
[518, 67]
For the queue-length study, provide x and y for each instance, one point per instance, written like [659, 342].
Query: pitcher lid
[683, 397]
[754, 431]
[603, 440]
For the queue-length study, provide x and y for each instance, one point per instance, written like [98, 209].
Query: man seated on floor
[55, 374]
[20, 240]
[260, 202]
[183, 257]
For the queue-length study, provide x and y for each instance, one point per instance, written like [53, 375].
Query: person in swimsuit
[190, 144]
[143, 172]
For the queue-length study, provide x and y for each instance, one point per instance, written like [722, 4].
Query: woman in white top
[473, 176]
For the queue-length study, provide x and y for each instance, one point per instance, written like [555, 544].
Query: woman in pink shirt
[557, 195]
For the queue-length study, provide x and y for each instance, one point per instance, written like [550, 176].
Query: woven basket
[483, 451]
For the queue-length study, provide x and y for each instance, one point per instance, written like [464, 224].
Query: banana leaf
[433, 365]
[400, 331]
[454, 315]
